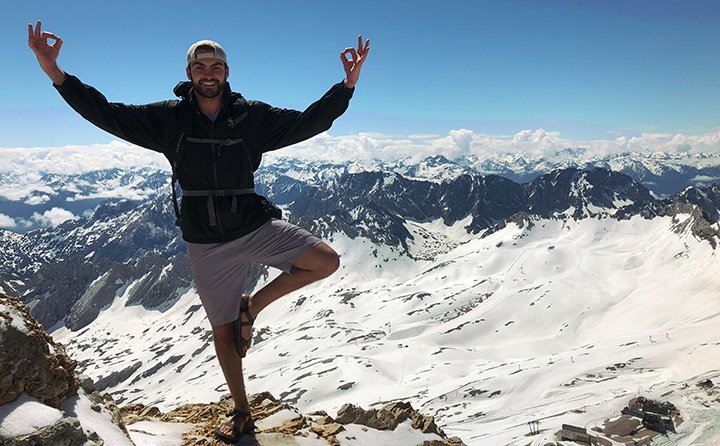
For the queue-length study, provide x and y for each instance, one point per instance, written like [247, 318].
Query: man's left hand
[353, 65]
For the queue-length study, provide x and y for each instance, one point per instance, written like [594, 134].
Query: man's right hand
[46, 54]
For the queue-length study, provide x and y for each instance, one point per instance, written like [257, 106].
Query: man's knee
[321, 261]
[331, 262]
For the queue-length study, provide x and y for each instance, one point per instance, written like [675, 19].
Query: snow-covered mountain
[486, 302]
[35, 199]
[663, 173]
[559, 320]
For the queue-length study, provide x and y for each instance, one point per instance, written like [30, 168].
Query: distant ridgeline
[125, 240]
[29, 202]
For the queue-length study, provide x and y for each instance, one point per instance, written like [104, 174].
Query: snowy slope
[561, 321]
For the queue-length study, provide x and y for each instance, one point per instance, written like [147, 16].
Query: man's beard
[209, 92]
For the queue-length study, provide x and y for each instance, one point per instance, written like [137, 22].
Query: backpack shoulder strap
[240, 110]
[185, 125]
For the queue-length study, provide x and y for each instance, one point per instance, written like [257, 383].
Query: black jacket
[247, 129]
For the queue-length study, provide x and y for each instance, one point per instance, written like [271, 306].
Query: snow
[80, 407]
[277, 419]
[355, 435]
[26, 415]
[17, 320]
[524, 324]
[157, 433]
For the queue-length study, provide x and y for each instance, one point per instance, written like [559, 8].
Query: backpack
[187, 123]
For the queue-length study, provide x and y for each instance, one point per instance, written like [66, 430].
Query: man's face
[208, 76]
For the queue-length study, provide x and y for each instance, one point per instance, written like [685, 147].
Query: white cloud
[7, 222]
[124, 192]
[78, 159]
[25, 186]
[704, 179]
[462, 142]
[363, 147]
[34, 200]
[53, 217]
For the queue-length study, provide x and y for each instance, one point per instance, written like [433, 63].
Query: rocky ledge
[278, 423]
[43, 402]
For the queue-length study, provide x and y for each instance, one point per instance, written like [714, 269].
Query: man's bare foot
[238, 424]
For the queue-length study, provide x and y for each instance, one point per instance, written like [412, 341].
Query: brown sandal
[235, 418]
[242, 345]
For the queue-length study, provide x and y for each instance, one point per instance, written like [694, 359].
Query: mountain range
[487, 300]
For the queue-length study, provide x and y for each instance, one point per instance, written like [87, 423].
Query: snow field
[562, 322]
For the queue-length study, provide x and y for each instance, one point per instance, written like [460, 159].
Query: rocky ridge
[277, 421]
[41, 399]
[71, 272]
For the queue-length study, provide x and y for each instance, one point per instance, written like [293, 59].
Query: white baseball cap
[208, 50]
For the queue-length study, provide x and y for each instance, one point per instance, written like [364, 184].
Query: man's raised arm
[46, 54]
[152, 126]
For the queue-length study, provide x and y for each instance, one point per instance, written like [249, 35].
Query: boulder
[28, 422]
[388, 417]
[31, 362]
[66, 432]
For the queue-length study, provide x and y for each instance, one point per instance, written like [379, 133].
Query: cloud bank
[457, 144]
[462, 143]
[70, 160]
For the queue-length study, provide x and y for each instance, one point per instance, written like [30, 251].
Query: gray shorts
[220, 269]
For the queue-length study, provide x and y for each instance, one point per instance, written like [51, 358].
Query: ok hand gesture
[46, 54]
[353, 65]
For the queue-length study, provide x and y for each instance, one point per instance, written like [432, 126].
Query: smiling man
[214, 140]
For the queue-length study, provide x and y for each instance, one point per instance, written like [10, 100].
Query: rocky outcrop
[42, 402]
[388, 417]
[30, 361]
[66, 432]
[277, 422]
[39, 391]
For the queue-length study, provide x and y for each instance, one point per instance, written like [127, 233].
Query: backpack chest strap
[210, 193]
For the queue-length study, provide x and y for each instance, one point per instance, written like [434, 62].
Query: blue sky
[585, 69]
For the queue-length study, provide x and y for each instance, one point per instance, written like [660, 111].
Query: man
[214, 140]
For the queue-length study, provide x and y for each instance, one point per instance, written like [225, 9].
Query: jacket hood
[183, 89]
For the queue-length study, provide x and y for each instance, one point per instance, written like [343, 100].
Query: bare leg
[231, 365]
[317, 263]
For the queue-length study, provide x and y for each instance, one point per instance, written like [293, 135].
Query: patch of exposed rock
[388, 417]
[277, 422]
[39, 391]
[38, 376]
[31, 362]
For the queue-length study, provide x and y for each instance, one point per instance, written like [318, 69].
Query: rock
[30, 361]
[325, 420]
[66, 432]
[290, 425]
[388, 417]
[118, 376]
[106, 401]
[334, 428]
[86, 383]
[350, 413]
[706, 384]
[28, 422]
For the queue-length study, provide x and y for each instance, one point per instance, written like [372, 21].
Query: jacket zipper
[215, 156]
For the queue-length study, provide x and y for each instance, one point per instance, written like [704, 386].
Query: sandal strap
[239, 413]
[245, 309]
